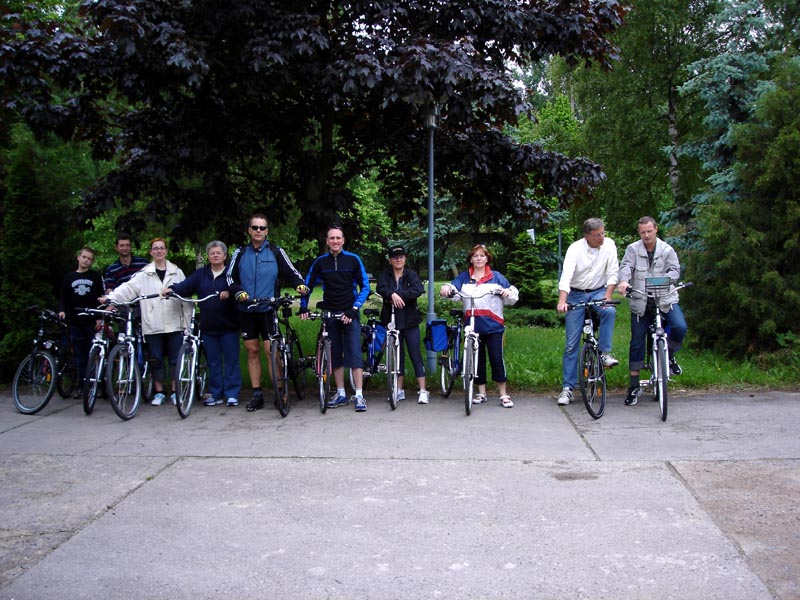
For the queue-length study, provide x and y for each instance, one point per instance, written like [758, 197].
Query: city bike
[323, 369]
[469, 364]
[591, 371]
[191, 369]
[94, 383]
[124, 369]
[50, 366]
[285, 353]
[655, 288]
[392, 365]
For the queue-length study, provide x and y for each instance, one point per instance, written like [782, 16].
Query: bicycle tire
[662, 379]
[34, 382]
[446, 372]
[469, 374]
[392, 368]
[93, 379]
[201, 373]
[280, 377]
[297, 369]
[185, 381]
[67, 375]
[592, 381]
[324, 374]
[124, 382]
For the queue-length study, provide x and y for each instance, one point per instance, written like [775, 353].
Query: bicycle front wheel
[34, 382]
[297, 371]
[392, 368]
[124, 383]
[447, 372]
[469, 374]
[93, 379]
[185, 382]
[280, 377]
[662, 376]
[324, 374]
[592, 381]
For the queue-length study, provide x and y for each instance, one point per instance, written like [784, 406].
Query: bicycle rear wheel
[297, 370]
[34, 382]
[93, 379]
[469, 374]
[186, 381]
[68, 375]
[392, 368]
[201, 374]
[280, 377]
[592, 381]
[662, 376]
[124, 383]
[324, 374]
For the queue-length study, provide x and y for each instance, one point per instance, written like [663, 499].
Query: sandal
[506, 402]
[479, 398]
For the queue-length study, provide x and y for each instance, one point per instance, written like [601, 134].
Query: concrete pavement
[423, 502]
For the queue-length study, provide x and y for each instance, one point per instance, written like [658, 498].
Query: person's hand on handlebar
[623, 287]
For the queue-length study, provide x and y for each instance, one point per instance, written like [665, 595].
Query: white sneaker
[424, 397]
[173, 398]
[401, 395]
[565, 397]
[158, 399]
[608, 360]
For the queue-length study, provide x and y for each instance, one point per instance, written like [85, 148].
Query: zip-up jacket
[344, 280]
[635, 268]
[258, 271]
[409, 287]
[488, 309]
[216, 316]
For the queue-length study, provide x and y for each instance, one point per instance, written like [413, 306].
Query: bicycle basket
[436, 336]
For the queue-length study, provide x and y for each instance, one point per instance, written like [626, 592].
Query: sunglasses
[259, 227]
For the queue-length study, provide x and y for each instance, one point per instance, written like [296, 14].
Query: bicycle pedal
[381, 368]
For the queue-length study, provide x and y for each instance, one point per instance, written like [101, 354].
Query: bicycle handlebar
[134, 300]
[275, 302]
[459, 293]
[601, 302]
[654, 294]
[192, 300]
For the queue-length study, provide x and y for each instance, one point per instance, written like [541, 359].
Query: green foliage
[527, 317]
[524, 270]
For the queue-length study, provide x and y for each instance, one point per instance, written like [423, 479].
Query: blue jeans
[673, 321]
[224, 372]
[574, 322]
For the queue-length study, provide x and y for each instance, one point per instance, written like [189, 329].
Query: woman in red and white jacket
[477, 282]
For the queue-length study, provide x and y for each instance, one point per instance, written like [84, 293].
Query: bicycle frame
[322, 359]
[96, 365]
[392, 360]
[450, 359]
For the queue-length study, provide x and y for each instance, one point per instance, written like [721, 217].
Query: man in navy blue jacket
[345, 286]
[255, 272]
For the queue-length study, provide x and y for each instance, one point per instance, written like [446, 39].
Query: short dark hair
[257, 216]
[644, 220]
[123, 235]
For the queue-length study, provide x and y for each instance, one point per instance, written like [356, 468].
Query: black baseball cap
[396, 251]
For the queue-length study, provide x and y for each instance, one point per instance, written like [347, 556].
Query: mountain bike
[591, 372]
[191, 374]
[50, 366]
[95, 379]
[655, 289]
[123, 371]
[285, 353]
[450, 358]
[469, 365]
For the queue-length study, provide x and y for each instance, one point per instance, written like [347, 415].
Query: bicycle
[323, 369]
[373, 340]
[469, 365]
[392, 365]
[98, 354]
[124, 369]
[49, 367]
[655, 288]
[192, 367]
[285, 352]
[591, 371]
[450, 358]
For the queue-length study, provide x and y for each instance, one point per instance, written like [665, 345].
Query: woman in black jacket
[400, 287]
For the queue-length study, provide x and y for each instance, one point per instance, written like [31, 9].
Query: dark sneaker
[256, 403]
[674, 367]
[633, 396]
[337, 401]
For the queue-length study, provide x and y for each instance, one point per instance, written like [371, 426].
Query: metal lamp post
[431, 124]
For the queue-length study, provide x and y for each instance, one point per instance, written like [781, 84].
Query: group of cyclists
[258, 270]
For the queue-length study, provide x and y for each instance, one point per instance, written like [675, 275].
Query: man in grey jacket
[650, 257]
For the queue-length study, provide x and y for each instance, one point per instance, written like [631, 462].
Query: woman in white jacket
[163, 320]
